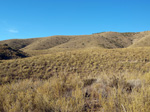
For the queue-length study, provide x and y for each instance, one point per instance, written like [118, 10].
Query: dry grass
[91, 79]
[102, 40]
[85, 61]
[18, 43]
[68, 93]
[143, 42]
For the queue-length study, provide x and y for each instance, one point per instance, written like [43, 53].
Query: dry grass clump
[117, 93]
[68, 94]
[53, 95]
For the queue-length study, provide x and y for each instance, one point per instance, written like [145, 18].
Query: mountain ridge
[105, 40]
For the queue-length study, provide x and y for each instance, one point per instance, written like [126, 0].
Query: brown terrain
[102, 72]
[107, 40]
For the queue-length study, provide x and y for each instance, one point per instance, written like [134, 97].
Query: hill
[89, 79]
[18, 43]
[104, 40]
[107, 40]
[78, 61]
[142, 41]
[105, 72]
[7, 52]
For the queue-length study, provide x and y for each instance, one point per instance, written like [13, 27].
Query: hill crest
[106, 40]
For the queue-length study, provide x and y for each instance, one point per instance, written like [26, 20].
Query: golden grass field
[60, 77]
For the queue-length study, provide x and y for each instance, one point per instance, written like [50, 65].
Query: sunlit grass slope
[92, 79]
[107, 40]
[83, 61]
[143, 42]
[102, 72]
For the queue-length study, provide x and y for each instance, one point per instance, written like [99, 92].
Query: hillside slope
[83, 80]
[79, 61]
[143, 41]
[18, 43]
[48, 42]
[104, 40]
[7, 52]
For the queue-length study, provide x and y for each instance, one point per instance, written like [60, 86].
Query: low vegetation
[94, 79]
[85, 61]
[71, 93]
[76, 73]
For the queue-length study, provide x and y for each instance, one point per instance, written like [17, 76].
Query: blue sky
[40, 18]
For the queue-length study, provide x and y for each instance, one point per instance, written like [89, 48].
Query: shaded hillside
[7, 52]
